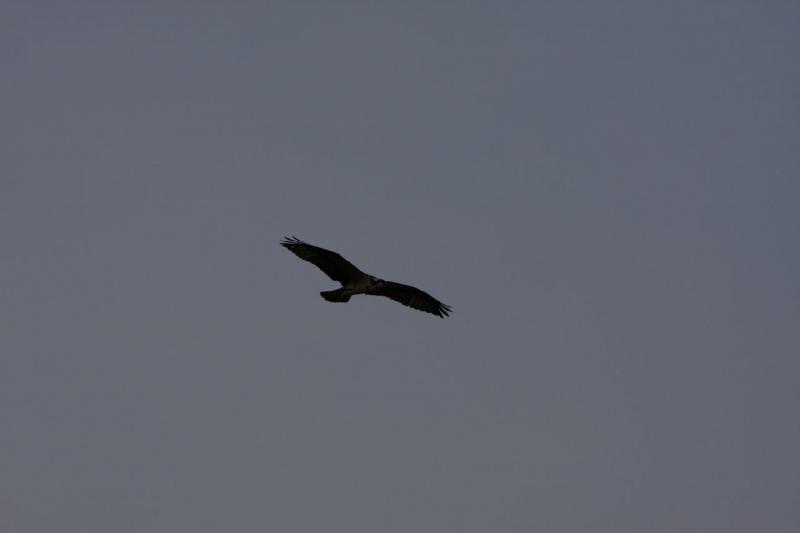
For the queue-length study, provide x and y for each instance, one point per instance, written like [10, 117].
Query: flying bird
[355, 281]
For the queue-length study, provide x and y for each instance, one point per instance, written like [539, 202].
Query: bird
[354, 281]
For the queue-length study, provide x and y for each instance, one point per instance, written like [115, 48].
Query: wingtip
[288, 241]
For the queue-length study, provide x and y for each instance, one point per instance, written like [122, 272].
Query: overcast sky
[605, 192]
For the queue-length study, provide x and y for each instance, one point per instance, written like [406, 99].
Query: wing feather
[412, 297]
[334, 265]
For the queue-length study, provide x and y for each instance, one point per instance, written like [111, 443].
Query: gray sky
[605, 192]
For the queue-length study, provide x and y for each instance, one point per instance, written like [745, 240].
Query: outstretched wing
[334, 265]
[412, 297]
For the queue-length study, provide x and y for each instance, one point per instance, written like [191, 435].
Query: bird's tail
[336, 296]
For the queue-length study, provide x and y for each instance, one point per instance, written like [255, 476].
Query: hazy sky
[606, 193]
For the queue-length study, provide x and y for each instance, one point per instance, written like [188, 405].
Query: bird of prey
[356, 282]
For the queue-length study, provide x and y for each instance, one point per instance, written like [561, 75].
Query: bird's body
[354, 281]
